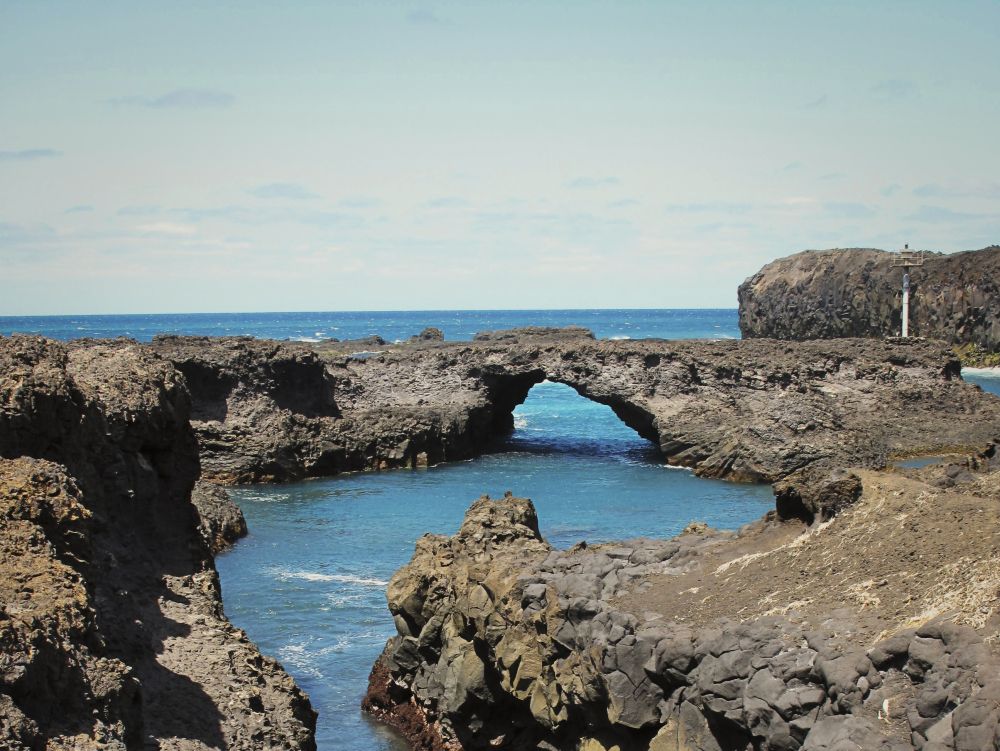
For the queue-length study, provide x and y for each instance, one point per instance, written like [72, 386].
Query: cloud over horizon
[187, 99]
[590, 183]
[291, 191]
[28, 155]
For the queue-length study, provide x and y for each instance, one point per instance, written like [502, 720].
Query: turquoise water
[987, 380]
[308, 583]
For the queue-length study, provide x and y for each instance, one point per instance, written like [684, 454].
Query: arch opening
[556, 418]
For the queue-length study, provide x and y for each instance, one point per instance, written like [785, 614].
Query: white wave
[520, 422]
[619, 337]
[339, 601]
[982, 372]
[320, 333]
[674, 466]
[315, 576]
[310, 339]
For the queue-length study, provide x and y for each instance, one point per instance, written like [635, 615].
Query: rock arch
[744, 410]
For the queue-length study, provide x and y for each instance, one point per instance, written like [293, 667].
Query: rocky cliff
[857, 293]
[112, 633]
[873, 629]
[754, 410]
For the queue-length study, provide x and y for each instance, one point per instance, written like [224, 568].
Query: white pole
[906, 313]
[906, 303]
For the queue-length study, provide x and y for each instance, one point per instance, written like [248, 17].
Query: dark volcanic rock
[742, 410]
[857, 293]
[220, 520]
[816, 493]
[505, 643]
[112, 633]
[528, 332]
[430, 334]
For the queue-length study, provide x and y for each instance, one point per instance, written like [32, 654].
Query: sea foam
[993, 372]
[315, 576]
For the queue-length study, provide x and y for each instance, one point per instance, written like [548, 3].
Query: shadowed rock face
[857, 293]
[752, 410]
[111, 624]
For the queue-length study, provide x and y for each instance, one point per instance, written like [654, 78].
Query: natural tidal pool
[308, 583]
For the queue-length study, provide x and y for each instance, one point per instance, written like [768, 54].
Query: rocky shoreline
[781, 636]
[112, 633]
[111, 610]
[754, 410]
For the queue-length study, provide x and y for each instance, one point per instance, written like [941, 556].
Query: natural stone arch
[745, 410]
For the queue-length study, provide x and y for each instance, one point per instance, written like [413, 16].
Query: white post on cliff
[907, 258]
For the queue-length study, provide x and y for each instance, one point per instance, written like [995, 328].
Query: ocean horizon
[318, 326]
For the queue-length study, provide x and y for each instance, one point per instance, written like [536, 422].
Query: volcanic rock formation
[872, 630]
[753, 410]
[112, 633]
[857, 293]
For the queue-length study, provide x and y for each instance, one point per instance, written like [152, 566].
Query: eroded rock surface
[754, 410]
[112, 633]
[220, 520]
[782, 636]
[857, 293]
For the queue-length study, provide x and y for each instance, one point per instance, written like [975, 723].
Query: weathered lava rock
[816, 493]
[752, 410]
[505, 643]
[112, 633]
[857, 293]
[220, 521]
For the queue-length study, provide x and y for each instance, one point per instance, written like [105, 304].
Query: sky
[259, 156]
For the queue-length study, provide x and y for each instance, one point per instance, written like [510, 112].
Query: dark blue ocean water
[456, 324]
[308, 583]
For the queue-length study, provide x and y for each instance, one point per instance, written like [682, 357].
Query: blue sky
[228, 156]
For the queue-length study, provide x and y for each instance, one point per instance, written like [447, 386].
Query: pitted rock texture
[857, 292]
[753, 410]
[220, 521]
[112, 633]
[505, 643]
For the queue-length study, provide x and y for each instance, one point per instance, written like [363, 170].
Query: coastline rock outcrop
[112, 633]
[220, 520]
[779, 636]
[856, 292]
[752, 410]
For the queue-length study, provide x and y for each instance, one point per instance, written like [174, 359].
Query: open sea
[308, 583]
